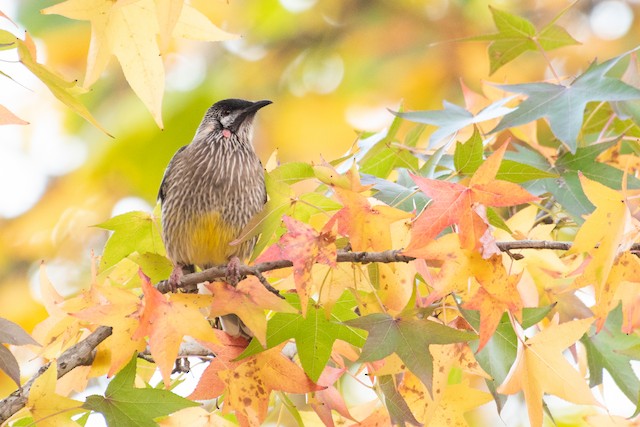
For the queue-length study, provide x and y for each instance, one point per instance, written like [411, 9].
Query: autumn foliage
[470, 302]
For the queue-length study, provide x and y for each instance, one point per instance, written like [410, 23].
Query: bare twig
[219, 272]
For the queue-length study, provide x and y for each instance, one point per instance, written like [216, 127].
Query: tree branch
[82, 353]
[211, 274]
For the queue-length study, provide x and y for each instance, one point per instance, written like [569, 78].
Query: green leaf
[383, 159]
[513, 171]
[399, 411]
[496, 220]
[125, 405]
[314, 335]
[59, 87]
[408, 337]
[7, 40]
[132, 232]
[567, 189]
[268, 221]
[517, 35]
[554, 37]
[468, 155]
[399, 195]
[156, 267]
[564, 106]
[523, 154]
[379, 153]
[453, 118]
[603, 352]
[290, 173]
[584, 160]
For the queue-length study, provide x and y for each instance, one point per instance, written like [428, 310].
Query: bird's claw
[233, 271]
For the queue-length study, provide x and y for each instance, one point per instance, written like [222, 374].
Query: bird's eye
[225, 113]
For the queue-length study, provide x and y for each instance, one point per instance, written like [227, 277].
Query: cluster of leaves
[468, 321]
[137, 33]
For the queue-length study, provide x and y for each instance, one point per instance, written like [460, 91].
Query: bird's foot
[233, 271]
[175, 277]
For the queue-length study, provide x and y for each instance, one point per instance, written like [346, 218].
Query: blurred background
[332, 68]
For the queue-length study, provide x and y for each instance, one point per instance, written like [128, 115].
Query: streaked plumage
[211, 189]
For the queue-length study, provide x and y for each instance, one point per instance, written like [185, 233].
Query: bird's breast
[208, 203]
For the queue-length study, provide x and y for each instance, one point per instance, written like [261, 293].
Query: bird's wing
[167, 172]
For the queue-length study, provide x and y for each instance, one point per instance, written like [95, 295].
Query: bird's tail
[235, 327]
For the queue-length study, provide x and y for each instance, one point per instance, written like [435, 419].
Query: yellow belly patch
[207, 240]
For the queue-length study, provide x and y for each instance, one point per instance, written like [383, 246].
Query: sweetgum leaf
[563, 106]
[132, 232]
[396, 405]
[125, 405]
[408, 337]
[314, 335]
[453, 118]
[499, 353]
[605, 350]
[468, 155]
[517, 35]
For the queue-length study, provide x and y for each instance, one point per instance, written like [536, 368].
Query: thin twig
[395, 255]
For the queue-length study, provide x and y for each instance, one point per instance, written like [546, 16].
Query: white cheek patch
[226, 133]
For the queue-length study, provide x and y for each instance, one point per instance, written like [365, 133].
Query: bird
[210, 190]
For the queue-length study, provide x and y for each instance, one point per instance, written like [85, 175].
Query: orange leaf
[8, 118]
[624, 281]
[541, 368]
[248, 383]
[303, 246]
[226, 350]
[498, 292]
[249, 299]
[330, 398]
[368, 227]
[454, 203]
[159, 321]
[456, 266]
[118, 308]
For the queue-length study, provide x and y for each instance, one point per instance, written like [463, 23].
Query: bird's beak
[248, 112]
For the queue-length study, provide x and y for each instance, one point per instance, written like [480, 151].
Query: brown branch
[211, 274]
[82, 353]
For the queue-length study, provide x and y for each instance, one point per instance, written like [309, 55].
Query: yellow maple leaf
[60, 330]
[541, 368]
[47, 408]
[450, 401]
[456, 266]
[129, 31]
[601, 234]
[195, 417]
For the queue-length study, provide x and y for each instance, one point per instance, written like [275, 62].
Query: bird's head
[230, 117]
